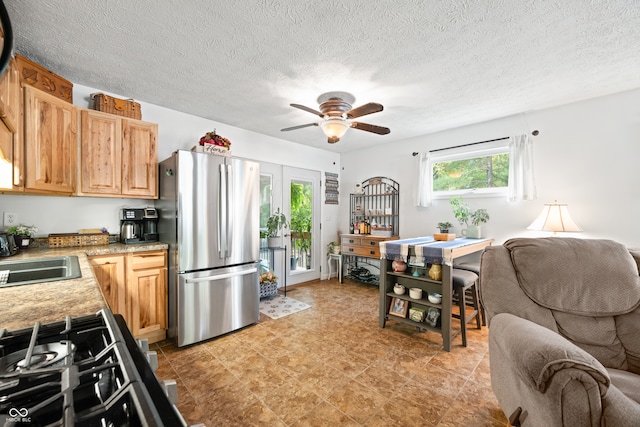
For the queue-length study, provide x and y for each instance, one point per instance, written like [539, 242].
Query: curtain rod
[415, 153]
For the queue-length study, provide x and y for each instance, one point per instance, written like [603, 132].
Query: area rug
[281, 306]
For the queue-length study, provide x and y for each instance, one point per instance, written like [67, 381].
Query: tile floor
[333, 365]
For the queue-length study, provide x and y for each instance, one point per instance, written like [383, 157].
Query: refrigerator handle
[230, 212]
[222, 276]
[222, 212]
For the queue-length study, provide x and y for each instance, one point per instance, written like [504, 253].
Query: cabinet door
[50, 143]
[147, 294]
[6, 157]
[10, 96]
[100, 153]
[110, 274]
[139, 159]
[147, 299]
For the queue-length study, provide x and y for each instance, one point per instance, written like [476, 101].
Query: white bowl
[415, 293]
[435, 298]
[398, 289]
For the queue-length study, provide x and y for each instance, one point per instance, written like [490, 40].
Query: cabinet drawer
[373, 252]
[143, 260]
[351, 241]
[369, 243]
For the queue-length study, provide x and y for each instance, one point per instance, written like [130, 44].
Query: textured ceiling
[433, 64]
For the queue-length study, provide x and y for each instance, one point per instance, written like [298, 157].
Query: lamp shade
[334, 127]
[554, 217]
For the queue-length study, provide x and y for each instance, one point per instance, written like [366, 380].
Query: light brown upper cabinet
[11, 149]
[10, 96]
[50, 131]
[119, 156]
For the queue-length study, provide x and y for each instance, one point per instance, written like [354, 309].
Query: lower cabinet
[135, 286]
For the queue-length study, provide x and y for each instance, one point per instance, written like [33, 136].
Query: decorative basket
[121, 107]
[74, 239]
[268, 289]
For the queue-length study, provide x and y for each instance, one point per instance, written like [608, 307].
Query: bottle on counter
[356, 228]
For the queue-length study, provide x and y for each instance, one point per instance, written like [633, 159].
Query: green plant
[479, 216]
[461, 210]
[22, 230]
[275, 223]
[464, 214]
[331, 246]
[444, 226]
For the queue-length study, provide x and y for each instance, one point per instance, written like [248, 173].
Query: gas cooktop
[86, 371]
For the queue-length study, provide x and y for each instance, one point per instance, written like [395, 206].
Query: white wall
[176, 130]
[586, 155]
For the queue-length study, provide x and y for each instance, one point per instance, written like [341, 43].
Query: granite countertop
[23, 306]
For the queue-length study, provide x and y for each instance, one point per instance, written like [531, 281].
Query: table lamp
[554, 217]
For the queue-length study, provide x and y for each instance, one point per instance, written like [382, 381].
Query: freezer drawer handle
[221, 276]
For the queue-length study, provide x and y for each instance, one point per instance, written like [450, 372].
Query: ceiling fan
[337, 115]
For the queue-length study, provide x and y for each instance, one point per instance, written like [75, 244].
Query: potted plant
[478, 217]
[444, 226]
[333, 248]
[23, 234]
[275, 223]
[464, 214]
[268, 284]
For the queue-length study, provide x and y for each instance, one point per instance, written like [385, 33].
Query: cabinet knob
[372, 243]
[350, 249]
[372, 252]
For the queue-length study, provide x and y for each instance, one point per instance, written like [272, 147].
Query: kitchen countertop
[23, 306]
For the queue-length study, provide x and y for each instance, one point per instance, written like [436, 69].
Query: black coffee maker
[138, 225]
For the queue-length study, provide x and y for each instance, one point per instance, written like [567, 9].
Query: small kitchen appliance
[138, 225]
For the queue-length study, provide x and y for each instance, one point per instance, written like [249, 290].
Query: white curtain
[423, 189]
[522, 184]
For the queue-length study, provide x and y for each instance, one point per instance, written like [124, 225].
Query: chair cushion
[585, 277]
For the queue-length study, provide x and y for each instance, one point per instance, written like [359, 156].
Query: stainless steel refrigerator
[209, 216]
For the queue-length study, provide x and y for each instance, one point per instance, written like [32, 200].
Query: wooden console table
[361, 245]
[427, 251]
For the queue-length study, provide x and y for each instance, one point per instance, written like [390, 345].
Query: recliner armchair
[564, 331]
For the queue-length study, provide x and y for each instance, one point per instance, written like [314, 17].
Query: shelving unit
[409, 281]
[377, 202]
[388, 278]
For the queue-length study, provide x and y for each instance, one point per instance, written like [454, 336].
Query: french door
[301, 202]
[296, 192]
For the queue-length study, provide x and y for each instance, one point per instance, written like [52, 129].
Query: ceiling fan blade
[370, 128]
[365, 109]
[298, 127]
[310, 110]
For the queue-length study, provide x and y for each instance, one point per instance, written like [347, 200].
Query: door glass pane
[266, 187]
[301, 224]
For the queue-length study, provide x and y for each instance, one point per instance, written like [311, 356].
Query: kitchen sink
[28, 271]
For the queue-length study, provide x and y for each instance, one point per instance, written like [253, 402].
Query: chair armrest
[546, 375]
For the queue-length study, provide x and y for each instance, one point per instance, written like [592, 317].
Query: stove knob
[152, 358]
[171, 390]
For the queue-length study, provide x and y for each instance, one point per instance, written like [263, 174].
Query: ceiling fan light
[334, 128]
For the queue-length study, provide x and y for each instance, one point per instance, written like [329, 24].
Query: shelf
[410, 322]
[422, 301]
[411, 276]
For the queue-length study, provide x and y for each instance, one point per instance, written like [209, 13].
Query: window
[468, 171]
